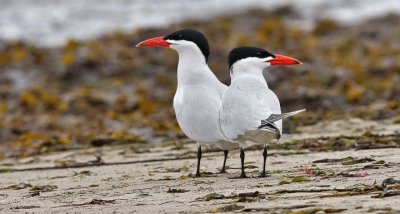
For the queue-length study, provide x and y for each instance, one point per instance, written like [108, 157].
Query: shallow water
[52, 22]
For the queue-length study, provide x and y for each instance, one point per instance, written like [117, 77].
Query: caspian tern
[250, 111]
[198, 97]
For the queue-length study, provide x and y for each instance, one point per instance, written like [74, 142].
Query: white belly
[197, 112]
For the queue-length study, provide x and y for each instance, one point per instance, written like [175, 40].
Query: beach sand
[158, 178]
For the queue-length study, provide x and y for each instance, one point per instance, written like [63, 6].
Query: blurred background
[69, 78]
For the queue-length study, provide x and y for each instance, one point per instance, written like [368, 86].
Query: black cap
[194, 36]
[239, 53]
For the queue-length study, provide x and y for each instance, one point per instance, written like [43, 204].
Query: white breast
[197, 111]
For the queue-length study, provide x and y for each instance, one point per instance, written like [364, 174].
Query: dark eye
[178, 37]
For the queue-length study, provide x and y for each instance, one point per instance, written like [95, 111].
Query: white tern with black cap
[251, 112]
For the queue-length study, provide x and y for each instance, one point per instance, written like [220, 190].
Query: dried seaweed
[173, 190]
[96, 202]
[385, 194]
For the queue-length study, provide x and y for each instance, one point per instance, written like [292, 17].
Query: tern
[198, 96]
[251, 112]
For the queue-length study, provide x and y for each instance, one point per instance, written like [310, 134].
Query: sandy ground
[157, 179]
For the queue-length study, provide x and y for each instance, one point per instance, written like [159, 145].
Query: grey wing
[245, 104]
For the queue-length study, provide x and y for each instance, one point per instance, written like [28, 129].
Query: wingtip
[295, 112]
[299, 111]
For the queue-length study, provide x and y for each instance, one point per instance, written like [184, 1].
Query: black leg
[223, 166]
[199, 153]
[243, 174]
[263, 174]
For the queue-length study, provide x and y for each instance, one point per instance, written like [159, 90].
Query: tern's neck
[246, 70]
[192, 68]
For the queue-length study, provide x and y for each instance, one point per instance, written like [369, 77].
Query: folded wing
[245, 104]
